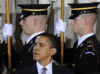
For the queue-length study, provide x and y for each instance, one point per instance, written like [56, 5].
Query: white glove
[60, 27]
[7, 30]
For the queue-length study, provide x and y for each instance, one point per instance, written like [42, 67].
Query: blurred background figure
[87, 46]
[33, 21]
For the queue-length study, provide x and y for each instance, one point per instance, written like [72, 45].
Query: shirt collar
[33, 35]
[81, 39]
[39, 66]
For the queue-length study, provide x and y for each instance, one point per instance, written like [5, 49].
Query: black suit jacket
[88, 62]
[25, 57]
[57, 69]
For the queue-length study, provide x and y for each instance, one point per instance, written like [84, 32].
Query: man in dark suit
[43, 51]
[87, 58]
[33, 21]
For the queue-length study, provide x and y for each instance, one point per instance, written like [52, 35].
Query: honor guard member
[83, 17]
[33, 20]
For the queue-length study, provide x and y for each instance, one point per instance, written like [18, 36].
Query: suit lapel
[55, 68]
[34, 69]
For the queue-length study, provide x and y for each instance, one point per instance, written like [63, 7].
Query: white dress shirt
[48, 67]
[83, 38]
[32, 36]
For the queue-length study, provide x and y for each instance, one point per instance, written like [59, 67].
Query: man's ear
[53, 51]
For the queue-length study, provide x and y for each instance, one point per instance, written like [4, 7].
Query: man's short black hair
[53, 40]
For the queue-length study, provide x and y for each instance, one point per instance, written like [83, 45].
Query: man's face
[42, 49]
[32, 24]
[77, 24]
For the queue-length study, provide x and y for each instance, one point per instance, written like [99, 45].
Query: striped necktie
[44, 70]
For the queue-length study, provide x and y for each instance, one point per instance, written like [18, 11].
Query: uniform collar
[81, 39]
[32, 36]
